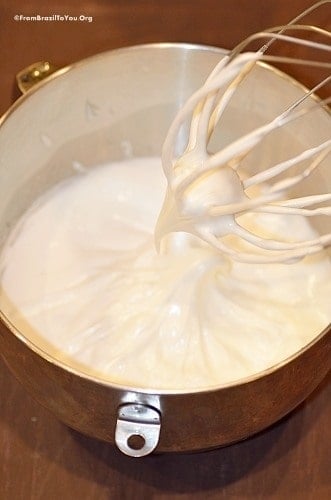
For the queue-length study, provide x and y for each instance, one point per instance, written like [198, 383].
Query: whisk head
[208, 193]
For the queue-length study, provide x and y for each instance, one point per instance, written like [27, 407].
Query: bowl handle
[137, 429]
[33, 74]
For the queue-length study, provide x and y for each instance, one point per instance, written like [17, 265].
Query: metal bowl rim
[99, 380]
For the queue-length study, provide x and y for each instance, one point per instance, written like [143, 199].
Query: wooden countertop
[40, 458]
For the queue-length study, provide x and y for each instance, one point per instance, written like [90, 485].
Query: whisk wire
[195, 164]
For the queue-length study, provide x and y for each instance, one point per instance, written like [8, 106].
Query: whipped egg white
[81, 278]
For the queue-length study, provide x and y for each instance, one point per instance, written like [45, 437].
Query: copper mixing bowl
[132, 94]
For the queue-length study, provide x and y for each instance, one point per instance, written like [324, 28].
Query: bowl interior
[120, 104]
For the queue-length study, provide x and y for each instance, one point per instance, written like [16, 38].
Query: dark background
[39, 457]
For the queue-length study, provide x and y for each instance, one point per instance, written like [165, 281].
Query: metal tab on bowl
[33, 74]
[137, 429]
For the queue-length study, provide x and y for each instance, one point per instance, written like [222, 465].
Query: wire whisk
[207, 192]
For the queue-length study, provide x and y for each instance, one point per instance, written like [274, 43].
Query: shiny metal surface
[162, 76]
[33, 74]
[137, 421]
